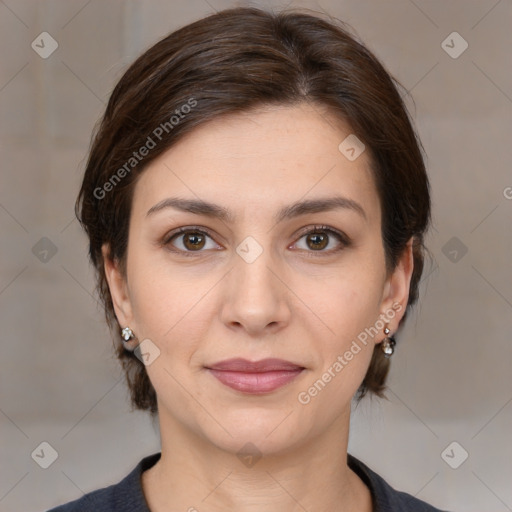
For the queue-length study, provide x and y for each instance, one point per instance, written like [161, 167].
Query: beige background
[451, 377]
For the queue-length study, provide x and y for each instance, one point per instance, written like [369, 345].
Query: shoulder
[101, 499]
[387, 499]
[125, 496]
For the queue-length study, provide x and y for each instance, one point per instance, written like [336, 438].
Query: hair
[234, 61]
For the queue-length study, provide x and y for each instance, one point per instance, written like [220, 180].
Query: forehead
[261, 159]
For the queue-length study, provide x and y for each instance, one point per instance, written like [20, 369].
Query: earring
[127, 335]
[388, 345]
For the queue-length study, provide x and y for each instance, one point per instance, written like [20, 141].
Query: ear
[118, 289]
[396, 288]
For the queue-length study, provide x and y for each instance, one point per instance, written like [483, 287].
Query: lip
[263, 365]
[255, 377]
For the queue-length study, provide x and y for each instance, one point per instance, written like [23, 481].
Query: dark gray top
[127, 495]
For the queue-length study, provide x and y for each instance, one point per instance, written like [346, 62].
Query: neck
[193, 475]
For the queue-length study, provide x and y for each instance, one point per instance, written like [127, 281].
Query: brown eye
[320, 237]
[189, 240]
[317, 240]
[193, 241]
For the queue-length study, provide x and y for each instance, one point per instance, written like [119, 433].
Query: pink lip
[255, 377]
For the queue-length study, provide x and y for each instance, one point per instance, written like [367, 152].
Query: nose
[256, 296]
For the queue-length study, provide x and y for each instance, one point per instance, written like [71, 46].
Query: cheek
[158, 301]
[342, 357]
[350, 306]
[355, 333]
[345, 356]
[171, 308]
[349, 297]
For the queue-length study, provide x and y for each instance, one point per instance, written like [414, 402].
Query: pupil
[318, 240]
[194, 240]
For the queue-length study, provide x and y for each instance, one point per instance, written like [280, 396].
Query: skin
[295, 302]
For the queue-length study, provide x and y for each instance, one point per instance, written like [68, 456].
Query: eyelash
[342, 238]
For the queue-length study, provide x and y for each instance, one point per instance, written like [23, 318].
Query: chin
[255, 432]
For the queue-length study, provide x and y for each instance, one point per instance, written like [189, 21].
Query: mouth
[255, 377]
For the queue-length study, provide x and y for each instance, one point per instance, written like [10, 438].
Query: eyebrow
[200, 207]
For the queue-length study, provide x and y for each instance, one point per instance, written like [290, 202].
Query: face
[268, 279]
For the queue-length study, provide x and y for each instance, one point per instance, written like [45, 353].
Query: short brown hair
[233, 61]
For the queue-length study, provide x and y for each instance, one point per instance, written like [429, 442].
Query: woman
[256, 202]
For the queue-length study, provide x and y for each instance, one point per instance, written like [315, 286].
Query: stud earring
[388, 344]
[127, 335]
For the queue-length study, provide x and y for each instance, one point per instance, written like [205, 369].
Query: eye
[189, 239]
[320, 237]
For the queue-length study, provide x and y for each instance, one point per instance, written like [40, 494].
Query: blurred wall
[451, 379]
